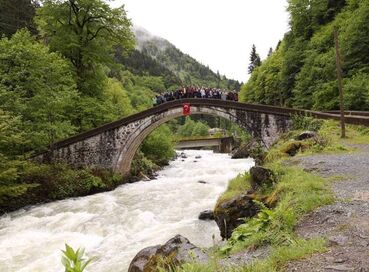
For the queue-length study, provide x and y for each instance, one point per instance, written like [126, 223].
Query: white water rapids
[114, 226]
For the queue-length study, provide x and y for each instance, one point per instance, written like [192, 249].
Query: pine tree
[254, 59]
[270, 52]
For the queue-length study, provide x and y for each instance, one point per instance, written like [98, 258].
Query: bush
[158, 146]
[59, 181]
[304, 122]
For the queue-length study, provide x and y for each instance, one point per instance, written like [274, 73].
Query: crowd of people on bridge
[195, 92]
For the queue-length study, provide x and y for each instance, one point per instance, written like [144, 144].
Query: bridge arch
[128, 151]
[112, 146]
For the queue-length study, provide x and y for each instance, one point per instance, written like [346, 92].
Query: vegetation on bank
[295, 193]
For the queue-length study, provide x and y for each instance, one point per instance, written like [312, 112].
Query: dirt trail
[346, 222]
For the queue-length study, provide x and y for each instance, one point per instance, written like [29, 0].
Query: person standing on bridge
[202, 92]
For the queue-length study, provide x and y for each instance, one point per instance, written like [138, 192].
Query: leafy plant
[74, 261]
[251, 227]
[305, 122]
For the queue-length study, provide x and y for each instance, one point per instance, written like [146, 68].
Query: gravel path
[346, 222]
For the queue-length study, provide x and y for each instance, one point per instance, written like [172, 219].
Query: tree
[86, 32]
[37, 86]
[158, 146]
[254, 59]
[270, 52]
[17, 14]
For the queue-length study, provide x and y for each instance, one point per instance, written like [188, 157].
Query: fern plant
[73, 261]
[251, 227]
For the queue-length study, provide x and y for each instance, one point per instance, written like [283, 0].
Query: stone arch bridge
[113, 146]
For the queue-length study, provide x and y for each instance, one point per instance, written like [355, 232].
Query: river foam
[114, 226]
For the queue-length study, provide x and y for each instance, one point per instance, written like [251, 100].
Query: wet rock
[202, 182]
[292, 148]
[183, 155]
[206, 215]
[140, 261]
[230, 214]
[252, 149]
[306, 135]
[195, 161]
[198, 157]
[174, 252]
[242, 152]
[261, 176]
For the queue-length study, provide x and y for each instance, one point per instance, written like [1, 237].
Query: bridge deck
[350, 119]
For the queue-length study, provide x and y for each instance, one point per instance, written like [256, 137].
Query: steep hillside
[302, 73]
[156, 56]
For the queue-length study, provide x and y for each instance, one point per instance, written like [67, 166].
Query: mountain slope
[156, 56]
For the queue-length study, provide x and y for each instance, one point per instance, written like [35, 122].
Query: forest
[301, 72]
[67, 67]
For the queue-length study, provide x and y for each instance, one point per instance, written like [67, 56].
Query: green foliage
[187, 70]
[37, 86]
[60, 181]
[254, 59]
[236, 186]
[142, 165]
[200, 129]
[301, 122]
[86, 33]
[297, 193]
[12, 191]
[158, 146]
[302, 71]
[74, 261]
[251, 228]
[17, 14]
[278, 258]
[193, 128]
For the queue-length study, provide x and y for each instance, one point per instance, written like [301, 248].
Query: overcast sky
[218, 33]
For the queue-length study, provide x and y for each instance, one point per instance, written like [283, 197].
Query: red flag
[186, 109]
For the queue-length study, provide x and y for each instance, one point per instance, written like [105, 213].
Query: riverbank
[329, 238]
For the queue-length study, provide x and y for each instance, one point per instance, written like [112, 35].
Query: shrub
[304, 122]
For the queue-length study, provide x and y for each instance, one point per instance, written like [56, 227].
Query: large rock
[252, 149]
[174, 252]
[261, 177]
[230, 214]
[306, 135]
[206, 215]
[242, 152]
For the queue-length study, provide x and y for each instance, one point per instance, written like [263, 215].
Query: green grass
[296, 194]
[277, 260]
[236, 186]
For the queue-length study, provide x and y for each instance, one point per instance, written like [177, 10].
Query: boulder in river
[198, 157]
[206, 215]
[176, 251]
[202, 182]
[260, 177]
[231, 213]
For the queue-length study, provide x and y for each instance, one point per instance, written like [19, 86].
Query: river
[114, 226]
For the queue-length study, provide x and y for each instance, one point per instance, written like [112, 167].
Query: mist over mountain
[156, 56]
